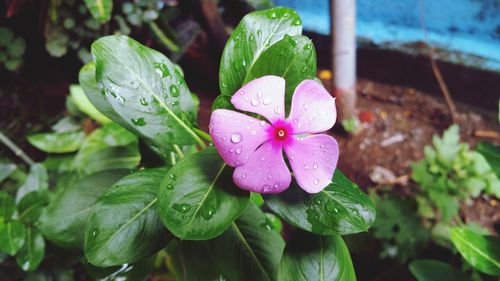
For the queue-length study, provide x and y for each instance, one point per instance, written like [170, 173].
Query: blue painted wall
[468, 29]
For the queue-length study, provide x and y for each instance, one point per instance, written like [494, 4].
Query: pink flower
[255, 147]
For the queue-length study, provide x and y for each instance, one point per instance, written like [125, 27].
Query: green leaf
[127, 272]
[256, 32]
[7, 206]
[492, 154]
[84, 105]
[248, 250]
[5, 170]
[124, 225]
[480, 251]
[64, 219]
[106, 148]
[66, 124]
[11, 236]
[432, 270]
[341, 208]
[293, 58]
[198, 199]
[31, 254]
[100, 9]
[188, 261]
[37, 179]
[309, 257]
[140, 89]
[57, 142]
[31, 205]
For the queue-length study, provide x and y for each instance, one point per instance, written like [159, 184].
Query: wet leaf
[84, 105]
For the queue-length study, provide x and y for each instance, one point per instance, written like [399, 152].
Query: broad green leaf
[66, 124]
[85, 106]
[124, 226]
[37, 179]
[198, 199]
[248, 250]
[480, 251]
[31, 254]
[128, 272]
[433, 270]
[310, 257]
[492, 154]
[256, 32]
[63, 221]
[188, 261]
[11, 236]
[293, 58]
[57, 142]
[31, 205]
[6, 169]
[7, 206]
[341, 208]
[140, 89]
[106, 148]
[100, 9]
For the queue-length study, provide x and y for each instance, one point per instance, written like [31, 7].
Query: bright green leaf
[7, 206]
[11, 236]
[64, 220]
[198, 199]
[124, 225]
[31, 254]
[100, 9]
[57, 142]
[256, 32]
[480, 251]
[5, 170]
[492, 154]
[309, 257]
[85, 106]
[341, 208]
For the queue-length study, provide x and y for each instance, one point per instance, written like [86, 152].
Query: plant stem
[203, 135]
[17, 151]
[178, 150]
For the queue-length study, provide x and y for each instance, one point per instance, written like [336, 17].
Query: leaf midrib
[249, 249]
[152, 93]
[480, 252]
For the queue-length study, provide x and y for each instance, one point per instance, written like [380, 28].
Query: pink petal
[313, 108]
[236, 135]
[265, 172]
[313, 160]
[264, 96]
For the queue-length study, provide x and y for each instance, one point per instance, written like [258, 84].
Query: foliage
[432, 270]
[12, 49]
[449, 174]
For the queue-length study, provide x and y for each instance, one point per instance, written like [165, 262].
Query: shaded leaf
[7, 206]
[100, 9]
[198, 199]
[57, 142]
[31, 254]
[63, 221]
[11, 236]
[124, 226]
[309, 257]
[341, 208]
[432, 270]
[6, 169]
[31, 205]
[37, 179]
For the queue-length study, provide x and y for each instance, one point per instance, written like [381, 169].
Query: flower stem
[203, 135]
[17, 151]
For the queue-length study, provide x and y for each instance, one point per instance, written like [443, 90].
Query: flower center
[281, 134]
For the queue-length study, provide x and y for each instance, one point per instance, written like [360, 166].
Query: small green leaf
[492, 154]
[31, 205]
[100, 9]
[432, 270]
[341, 208]
[106, 148]
[480, 251]
[31, 254]
[85, 106]
[63, 222]
[57, 142]
[7, 206]
[5, 170]
[248, 250]
[198, 199]
[11, 236]
[37, 179]
[124, 226]
[140, 89]
[309, 257]
[256, 32]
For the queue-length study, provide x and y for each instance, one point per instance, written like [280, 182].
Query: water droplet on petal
[277, 109]
[269, 176]
[306, 167]
[224, 138]
[259, 94]
[243, 176]
[315, 166]
[267, 101]
[266, 188]
[262, 158]
[231, 150]
[262, 123]
[236, 138]
[276, 185]
[238, 150]
[316, 181]
[254, 102]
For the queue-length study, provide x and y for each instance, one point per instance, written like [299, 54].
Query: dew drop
[183, 208]
[259, 32]
[223, 85]
[316, 181]
[143, 101]
[315, 166]
[267, 101]
[259, 94]
[224, 138]
[269, 176]
[266, 188]
[306, 167]
[266, 226]
[317, 200]
[276, 185]
[231, 150]
[262, 123]
[174, 103]
[207, 213]
[304, 69]
[297, 22]
[307, 46]
[139, 121]
[254, 102]
[243, 176]
[236, 138]
[174, 91]
[170, 186]
[238, 150]
[330, 208]
[173, 177]
[262, 158]
[162, 69]
[277, 109]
